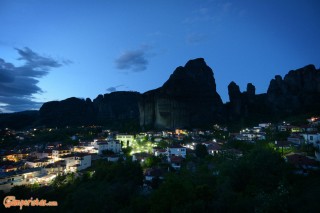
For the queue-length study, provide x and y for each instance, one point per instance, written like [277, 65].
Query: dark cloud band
[19, 83]
[134, 60]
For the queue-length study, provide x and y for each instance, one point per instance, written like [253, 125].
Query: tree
[151, 161]
[201, 151]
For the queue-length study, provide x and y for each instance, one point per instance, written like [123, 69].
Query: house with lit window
[57, 153]
[34, 162]
[76, 162]
[113, 145]
[213, 148]
[125, 139]
[18, 178]
[177, 150]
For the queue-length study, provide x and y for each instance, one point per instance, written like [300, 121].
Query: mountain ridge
[188, 99]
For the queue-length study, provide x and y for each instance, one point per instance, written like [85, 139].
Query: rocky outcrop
[297, 92]
[115, 110]
[235, 98]
[187, 99]
[71, 111]
[251, 90]
[241, 103]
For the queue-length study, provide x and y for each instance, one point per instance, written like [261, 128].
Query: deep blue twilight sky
[55, 49]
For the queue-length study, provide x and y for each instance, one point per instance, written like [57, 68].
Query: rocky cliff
[116, 110]
[187, 99]
[71, 111]
[119, 110]
[297, 92]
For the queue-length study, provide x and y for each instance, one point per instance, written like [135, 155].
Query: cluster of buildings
[252, 134]
[42, 164]
[307, 135]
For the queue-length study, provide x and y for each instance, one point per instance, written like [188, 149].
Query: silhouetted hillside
[188, 99]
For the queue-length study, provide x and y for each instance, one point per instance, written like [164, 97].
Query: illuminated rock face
[187, 99]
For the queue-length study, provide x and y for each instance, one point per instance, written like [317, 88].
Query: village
[158, 152]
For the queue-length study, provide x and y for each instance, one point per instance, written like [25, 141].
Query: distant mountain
[188, 99]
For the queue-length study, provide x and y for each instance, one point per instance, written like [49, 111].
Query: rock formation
[115, 110]
[298, 92]
[187, 99]
[71, 111]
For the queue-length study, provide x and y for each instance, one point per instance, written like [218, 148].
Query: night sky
[55, 49]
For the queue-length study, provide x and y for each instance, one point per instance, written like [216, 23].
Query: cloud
[17, 104]
[113, 88]
[134, 60]
[18, 84]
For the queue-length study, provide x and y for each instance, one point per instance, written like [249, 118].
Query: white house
[33, 163]
[213, 148]
[58, 153]
[313, 138]
[83, 161]
[101, 146]
[44, 154]
[77, 162]
[113, 146]
[177, 150]
[125, 139]
[264, 125]
[17, 178]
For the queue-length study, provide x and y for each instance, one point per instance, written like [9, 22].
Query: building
[76, 162]
[33, 163]
[125, 140]
[175, 161]
[18, 178]
[59, 152]
[47, 153]
[177, 150]
[213, 149]
[312, 138]
[160, 152]
[303, 164]
[296, 139]
[113, 145]
[264, 125]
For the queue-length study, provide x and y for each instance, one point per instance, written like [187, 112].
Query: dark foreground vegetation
[260, 181]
